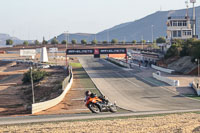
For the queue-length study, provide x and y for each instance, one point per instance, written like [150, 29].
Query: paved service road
[130, 91]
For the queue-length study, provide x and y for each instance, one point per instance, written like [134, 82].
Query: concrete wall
[166, 80]
[37, 107]
[196, 88]
[162, 69]
[119, 62]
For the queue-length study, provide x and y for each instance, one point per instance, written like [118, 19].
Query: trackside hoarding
[96, 51]
[113, 51]
[27, 52]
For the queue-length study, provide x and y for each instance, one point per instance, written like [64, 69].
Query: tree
[104, 42]
[44, 41]
[64, 42]
[174, 50]
[54, 41]
[143, 41]
[83, 42]
[9, 42]
[161, 40]
[114, 41]
[25, 43]
[154, 46]
[74, 41]
[134, 41]
[36, 42]
[94, 42]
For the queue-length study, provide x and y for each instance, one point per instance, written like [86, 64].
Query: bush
[134, 41]
[64, 42]
[161, 40]
[105, 42]
[54, 41]
[94, 41]
[9, 42]
[83, 42]
[114, 41]
[74, 41]
[37, 75]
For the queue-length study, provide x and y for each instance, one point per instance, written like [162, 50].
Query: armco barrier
[195, 86]
[162, 69]
[37, 107]
[166, 80]
[118, 62]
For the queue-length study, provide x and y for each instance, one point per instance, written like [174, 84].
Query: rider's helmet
[87, 93]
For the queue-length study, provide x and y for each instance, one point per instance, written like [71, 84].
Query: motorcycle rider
[89, 94]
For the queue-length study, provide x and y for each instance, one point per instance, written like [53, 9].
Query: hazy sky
[33, 19]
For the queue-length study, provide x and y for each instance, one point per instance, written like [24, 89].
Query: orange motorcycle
[100, 104]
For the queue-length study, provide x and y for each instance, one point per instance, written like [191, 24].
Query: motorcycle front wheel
[113, 108]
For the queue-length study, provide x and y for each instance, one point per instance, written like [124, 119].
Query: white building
[178, 28]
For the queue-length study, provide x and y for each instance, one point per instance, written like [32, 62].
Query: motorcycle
[97, 105]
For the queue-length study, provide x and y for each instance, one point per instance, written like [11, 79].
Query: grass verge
[193, 96]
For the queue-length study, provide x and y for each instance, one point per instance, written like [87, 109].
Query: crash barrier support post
[37, 107]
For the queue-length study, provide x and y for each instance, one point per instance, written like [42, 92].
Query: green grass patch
[193, 96]
[75, 65]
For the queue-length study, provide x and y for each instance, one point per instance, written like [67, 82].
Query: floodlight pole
[152, 32]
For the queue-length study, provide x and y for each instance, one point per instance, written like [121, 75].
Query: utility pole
[152, 32]
[194, 18]
[142, 42]
[108, 36]
[32, 85]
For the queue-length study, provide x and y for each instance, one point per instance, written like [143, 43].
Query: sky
[33, 19]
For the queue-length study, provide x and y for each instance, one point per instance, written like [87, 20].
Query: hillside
[4, 37]
[136, 29]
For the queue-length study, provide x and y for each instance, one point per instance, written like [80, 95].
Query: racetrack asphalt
[127, 88]
[132, 92]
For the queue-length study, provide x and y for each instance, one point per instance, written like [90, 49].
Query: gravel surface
[175, 123]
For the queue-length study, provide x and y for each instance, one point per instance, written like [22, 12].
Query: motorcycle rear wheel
[94, 108]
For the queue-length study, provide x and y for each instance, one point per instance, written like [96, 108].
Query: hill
[135, 30]
[4, 37]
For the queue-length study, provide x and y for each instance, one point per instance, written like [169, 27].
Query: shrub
[37, 75]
